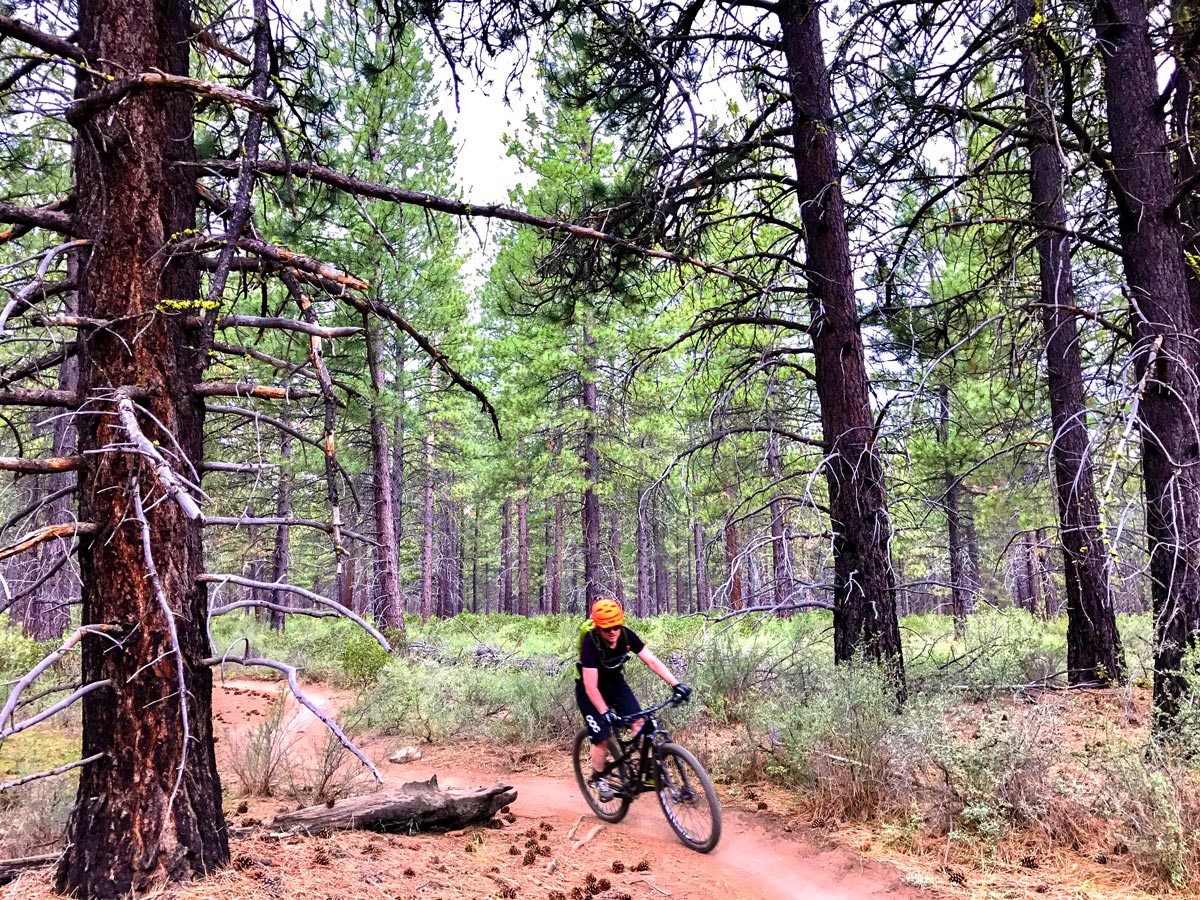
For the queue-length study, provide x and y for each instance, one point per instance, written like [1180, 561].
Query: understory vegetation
[988, 748]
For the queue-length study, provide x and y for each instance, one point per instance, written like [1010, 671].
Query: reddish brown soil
[756, 859]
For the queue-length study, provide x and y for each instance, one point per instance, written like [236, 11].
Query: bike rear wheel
[613, 810]
[687, 798]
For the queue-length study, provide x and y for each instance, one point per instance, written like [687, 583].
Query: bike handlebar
[633, 717]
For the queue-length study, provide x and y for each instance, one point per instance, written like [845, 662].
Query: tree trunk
[781, 551]
[1163, 330]
[556, 584]
[49, 609]
[475, 562]
[282, 555]
[428, 527]
[523, 552]
[732, 567]
[662, 573]
[643, 561]
[703, 596]
[591, 475]
[417, 805]
[149, 812]
[1185, 133]
[864, 617]
[505, 600]
[1033, 578]
[961, 588]
[678, 588]
[1093, 643]
[386, 553]
[449, 563]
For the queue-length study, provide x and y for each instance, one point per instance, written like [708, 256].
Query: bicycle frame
[645, 741]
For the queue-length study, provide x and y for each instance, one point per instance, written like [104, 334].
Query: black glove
[681, 694]
[611, 717]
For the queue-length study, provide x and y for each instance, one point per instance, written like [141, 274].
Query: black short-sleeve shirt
[596, 654]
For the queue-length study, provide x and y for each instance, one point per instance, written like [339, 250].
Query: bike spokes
[688, 799]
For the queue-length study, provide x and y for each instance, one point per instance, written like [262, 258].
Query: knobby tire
[684, 791]
[614, 810]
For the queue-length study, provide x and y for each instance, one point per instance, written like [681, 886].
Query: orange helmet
[607, 613]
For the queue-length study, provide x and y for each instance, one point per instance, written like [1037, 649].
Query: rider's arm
[591, 687]
[657, 666]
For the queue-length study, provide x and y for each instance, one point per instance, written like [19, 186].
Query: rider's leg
[599, 757]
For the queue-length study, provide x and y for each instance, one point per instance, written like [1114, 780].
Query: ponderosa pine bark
[864, 616]
[556, 584]
[523, 551]
[733, 570]
[1094, 650]
[386, 551]
[1164, 350]
[1185, 134]
[643, 560]
[962, 585]
[703, 598]
[590, 455]
[133, 827]
[505, 599]
[428, 526]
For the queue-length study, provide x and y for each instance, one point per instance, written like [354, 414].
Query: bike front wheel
[581, 754]
[687, 798]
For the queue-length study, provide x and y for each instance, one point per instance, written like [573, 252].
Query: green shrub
[363, 658]
[999, 780]
[847, 742]
[1150, 795]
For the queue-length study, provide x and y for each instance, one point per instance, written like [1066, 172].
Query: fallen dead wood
[418, 805]
[11, 869]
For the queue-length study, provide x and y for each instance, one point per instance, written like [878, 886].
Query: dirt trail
[756, 859]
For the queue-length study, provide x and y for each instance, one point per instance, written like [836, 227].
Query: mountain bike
[651, 761]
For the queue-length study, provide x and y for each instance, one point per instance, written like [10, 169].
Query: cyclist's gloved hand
[611, 717]
[681, 694]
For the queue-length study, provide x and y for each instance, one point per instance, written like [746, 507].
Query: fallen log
[416, 806]
[11, 869]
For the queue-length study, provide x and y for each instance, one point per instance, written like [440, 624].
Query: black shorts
[619, 697]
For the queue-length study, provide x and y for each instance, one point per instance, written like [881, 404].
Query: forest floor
[771, 848]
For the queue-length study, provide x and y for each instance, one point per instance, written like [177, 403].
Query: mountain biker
[601, 693]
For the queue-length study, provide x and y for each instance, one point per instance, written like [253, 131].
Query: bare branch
[352, 185]
[276, 520]
[38, 217]
[48, 533]
[32, 675]
[28, 34]
[249, 389]
[294, 684]
[55, 709]
[27, 397]
[210, 465]
[113, 92]
[40, 466]
[212, 578]
[329, 333]
[267, 604]
[169, 617]
[49, 773]
[167, 477]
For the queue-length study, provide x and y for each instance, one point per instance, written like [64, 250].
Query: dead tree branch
[294, 683]
[167, 476]
[49, 773]
[275, 586]
[48, 533]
